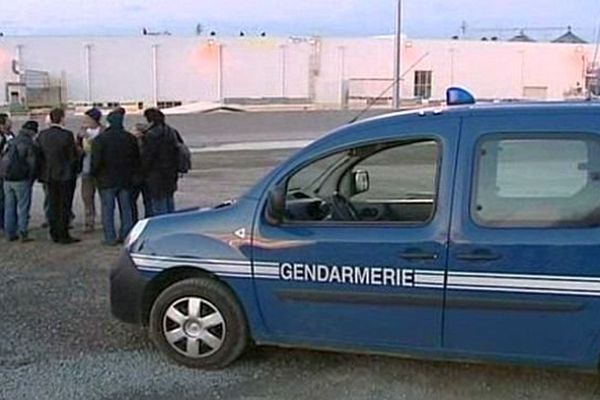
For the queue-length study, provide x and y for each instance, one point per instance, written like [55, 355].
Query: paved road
[58, 340]
[210, 129]
[234, 127]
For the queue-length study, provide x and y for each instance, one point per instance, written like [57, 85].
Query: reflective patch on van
[380, 276]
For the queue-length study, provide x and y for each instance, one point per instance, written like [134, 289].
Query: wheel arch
[177, 274]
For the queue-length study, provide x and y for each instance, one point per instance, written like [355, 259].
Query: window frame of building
[422, 85]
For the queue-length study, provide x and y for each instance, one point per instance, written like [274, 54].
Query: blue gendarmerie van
[468, 232]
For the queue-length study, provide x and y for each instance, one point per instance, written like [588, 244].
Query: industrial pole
[220, 73]
[283, 66]
[155, 75]
[88, 71]
[397, 57]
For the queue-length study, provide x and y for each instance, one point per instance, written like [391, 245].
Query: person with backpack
[6, 135]
[58, 157]
[140, 188]
[164, 157]
[115, 160]
[19, 170]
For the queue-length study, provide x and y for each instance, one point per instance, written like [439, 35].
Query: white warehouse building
[328, 72]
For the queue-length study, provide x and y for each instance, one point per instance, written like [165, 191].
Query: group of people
[109, 160]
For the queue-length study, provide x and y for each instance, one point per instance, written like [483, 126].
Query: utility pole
[155, 75]
[397, 57]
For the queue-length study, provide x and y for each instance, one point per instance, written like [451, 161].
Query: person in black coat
[160, 162]
[18, 167]
[139, 184]
[58, 171]
[115, 160]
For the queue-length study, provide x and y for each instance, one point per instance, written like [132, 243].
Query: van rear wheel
[198, 323]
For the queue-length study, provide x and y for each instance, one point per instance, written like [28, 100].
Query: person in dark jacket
[6, 133]
[59, 156]
[19, 170]
[115, 160]
[140, 187]
[5, 136]
[160, 162]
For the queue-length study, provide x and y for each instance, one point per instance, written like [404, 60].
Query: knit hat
[94, 114]
[115, 119]
[120, 110]
[31, 126]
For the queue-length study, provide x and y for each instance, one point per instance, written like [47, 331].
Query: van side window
[538, 182]
[380, 183]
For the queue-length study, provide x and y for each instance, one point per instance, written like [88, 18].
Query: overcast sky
[423, 18]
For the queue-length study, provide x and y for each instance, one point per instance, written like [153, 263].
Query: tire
[198, 323]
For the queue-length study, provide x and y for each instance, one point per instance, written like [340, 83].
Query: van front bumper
[127, 288]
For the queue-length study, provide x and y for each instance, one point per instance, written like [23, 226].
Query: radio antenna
[401, 77]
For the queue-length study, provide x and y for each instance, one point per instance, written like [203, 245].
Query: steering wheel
[342, 209]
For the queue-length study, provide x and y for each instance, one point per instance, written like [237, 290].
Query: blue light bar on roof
[456, 96]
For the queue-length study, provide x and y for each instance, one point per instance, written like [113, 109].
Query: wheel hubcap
[194, 327]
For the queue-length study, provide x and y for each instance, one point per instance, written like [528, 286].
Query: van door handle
[478, 256]
[419, 255]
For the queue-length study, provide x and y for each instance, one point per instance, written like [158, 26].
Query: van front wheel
[198, 323]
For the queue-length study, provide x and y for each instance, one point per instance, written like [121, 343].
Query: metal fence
[41, 91]
[368, 91]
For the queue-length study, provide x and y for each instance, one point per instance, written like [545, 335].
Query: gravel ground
[59, 341]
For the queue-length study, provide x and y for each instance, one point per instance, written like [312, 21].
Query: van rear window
[538, 181]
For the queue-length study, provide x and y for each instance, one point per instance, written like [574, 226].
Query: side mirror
[276, 206]
[360, 182]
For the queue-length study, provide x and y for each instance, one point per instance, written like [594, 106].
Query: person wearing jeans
[160, 161]
[164, 205]
[122, 197]
[115, 160]
[140, 187]
[17, 204]
[138, 190]
[19, 169]
[5, 136]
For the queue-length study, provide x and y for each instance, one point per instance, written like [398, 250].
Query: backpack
[184, 158]
[184, 155]
[14, 168]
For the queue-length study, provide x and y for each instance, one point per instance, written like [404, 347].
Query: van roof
[509, 109]
[499, 108]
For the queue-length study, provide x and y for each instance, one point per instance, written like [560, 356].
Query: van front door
[359, 260]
